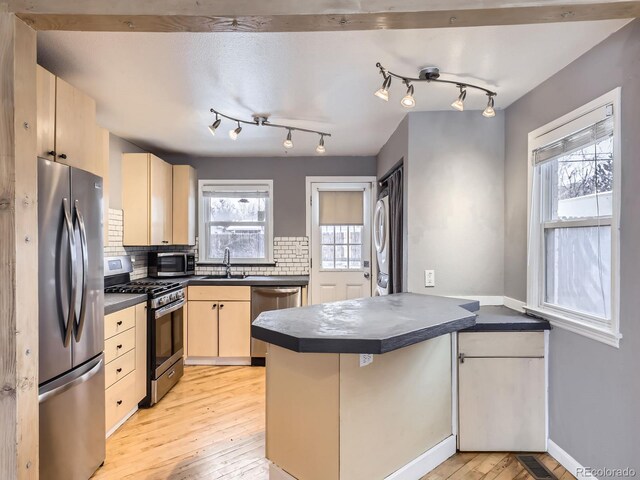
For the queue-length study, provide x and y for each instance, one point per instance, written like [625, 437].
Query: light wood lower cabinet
[203, 329]
[125, 348]
[502, 391]
[234, 329]
[218, 324]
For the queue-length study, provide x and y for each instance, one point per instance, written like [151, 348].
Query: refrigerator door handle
[72, 256]
[85, 267]
[63, 388]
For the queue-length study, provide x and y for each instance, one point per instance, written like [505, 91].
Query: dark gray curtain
[394, 187]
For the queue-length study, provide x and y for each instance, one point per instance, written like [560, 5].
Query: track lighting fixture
[288, 143]
[262, 121]
[233, 134]
[408, 101]
[214, 126]
[383, 92]
[432, 74]
[459, 103]
[489, 111]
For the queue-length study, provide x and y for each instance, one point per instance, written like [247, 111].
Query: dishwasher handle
[276, 291]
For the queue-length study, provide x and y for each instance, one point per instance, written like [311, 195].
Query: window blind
[341, 207]
[574, 142]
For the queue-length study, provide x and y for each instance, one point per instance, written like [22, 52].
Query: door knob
[52, 153]
[213, 307]
[367, 274]
[221, 305]
[63, 156]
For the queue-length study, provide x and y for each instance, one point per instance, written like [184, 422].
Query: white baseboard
[514, 304]
[121, 422]
[413, 470]
[217, 361]
[426, 462]
[567, 461]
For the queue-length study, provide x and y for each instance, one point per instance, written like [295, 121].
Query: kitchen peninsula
[336, 412]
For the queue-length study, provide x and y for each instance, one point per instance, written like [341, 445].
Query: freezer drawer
[264, 299]
[72, 434]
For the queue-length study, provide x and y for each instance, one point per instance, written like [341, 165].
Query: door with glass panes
[340, 241]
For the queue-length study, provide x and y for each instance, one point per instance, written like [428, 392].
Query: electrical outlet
[366, 359]
[429, 278]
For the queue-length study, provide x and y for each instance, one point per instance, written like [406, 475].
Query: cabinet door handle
[52, 153]
[119, 322]
[119, 402]
[461, 357]
[63, 156]
[213, 307]
[221, 305]
[119, 346]
[165, 241]
[118, 370]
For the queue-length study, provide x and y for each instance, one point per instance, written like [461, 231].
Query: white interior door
[340, 241]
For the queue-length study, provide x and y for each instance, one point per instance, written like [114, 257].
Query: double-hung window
[573, 231]
[236, 215]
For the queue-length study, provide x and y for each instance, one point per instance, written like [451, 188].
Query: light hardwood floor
[211, 426]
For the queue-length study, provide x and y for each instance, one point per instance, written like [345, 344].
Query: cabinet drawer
[119, 322]
[501, 344]
[119, 344]
[120, 399]
[120, 368]
[222, 292]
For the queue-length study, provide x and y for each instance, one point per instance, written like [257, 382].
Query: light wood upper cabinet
[66, 123]
[102, 155]
[161, 206]
[234, 323]
[185, 192]
[203, 329]
[46, 113]
[75, 124]
[147, 197]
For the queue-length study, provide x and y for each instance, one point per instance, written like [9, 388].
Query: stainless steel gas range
[165, 324]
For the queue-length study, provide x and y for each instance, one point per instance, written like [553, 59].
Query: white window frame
[232, 185]
[580, 323]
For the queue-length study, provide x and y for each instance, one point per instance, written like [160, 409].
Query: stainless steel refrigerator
[71, 323]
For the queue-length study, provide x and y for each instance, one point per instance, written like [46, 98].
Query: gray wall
[288, 174]
[594, 392]
[118, 146]
[456, 202]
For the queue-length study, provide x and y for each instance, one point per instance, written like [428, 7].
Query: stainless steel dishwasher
[264, 299]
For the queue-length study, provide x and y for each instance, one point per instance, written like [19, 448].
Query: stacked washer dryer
[381, 241]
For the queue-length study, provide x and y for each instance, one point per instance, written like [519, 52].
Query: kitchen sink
[224, 277]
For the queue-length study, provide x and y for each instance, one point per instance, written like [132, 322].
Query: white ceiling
[156, 89]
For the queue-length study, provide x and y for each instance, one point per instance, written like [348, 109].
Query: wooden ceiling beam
[118, 16]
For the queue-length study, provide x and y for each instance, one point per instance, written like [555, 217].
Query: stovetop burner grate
[150, 287]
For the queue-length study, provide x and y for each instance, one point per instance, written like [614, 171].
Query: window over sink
[573, 267]
[236, 214]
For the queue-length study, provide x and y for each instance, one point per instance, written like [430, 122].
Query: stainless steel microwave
[171, 264]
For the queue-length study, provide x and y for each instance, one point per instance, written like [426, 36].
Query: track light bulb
[233, 134]
[408, 101]
[383, 92]
[489, 111]
[214, 126]
[459, 103]
[320, 148]
[288, 143]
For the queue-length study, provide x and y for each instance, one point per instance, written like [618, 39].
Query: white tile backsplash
[291, 254]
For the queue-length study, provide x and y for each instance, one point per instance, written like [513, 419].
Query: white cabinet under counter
[502, 391]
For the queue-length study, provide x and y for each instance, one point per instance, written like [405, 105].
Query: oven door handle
[169, 308]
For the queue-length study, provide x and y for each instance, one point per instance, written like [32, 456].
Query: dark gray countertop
[119, 301]
[114, 302]
[368, 325]
[256, 280]
[503, 319]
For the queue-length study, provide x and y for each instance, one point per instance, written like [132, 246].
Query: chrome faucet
[227, 261]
